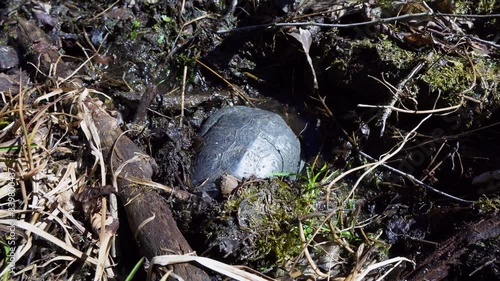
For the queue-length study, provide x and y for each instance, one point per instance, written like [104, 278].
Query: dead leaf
[419, 39]
[305, 39]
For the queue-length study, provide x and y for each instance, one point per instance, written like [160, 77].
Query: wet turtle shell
[243, 142]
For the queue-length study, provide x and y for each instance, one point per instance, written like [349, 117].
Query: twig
[174, 43]
[105, 10]
[429, 111]
[412, 178]
[452, 137]
[308, 255]
[75, 71]
[27, 148]
[433, 159]
[329, 113]
[306, 244]
[483, 266]
[182, 95]
[387, 156]
[396, 260]
[183, 5]
[45, 235]
[240, 93]
[356, 24]
[489, 43]
[141, 114]
[387, 111]
[224, 269]
[300, 7]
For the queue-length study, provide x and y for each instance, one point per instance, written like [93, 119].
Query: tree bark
[160, 235]
[438, 265]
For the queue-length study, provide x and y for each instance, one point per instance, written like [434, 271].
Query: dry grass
[35, 134]
[42, 170]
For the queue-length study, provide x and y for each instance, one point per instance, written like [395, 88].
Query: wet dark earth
[431, 83]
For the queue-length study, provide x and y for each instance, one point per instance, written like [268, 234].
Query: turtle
[242, 141]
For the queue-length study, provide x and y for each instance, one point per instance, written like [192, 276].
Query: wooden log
[160, 234]
[437, 266]
[40, 51]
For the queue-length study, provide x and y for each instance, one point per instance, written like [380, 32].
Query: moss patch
[391, 53]
[449, 74]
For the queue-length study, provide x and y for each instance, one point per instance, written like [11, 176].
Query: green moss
[486, 205]
[454, 75]
[448, 74]
[268, 213]
[475, 7]
[269, 218]
[268, 210]
[488, 73]
[391, 53]
[486, 6]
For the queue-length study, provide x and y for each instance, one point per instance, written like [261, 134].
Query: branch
[349, 25]
[412, 178]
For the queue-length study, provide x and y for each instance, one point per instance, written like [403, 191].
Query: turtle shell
[243, 141]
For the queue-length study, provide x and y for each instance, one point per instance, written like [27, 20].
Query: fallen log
[449, 253]
[38, 48]
[148, 213]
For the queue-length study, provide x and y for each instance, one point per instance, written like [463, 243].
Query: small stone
[228, 183]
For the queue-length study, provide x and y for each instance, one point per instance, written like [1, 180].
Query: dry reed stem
[217, 266]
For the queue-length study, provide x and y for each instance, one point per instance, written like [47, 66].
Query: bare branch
[412, 178]
[356, 24]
